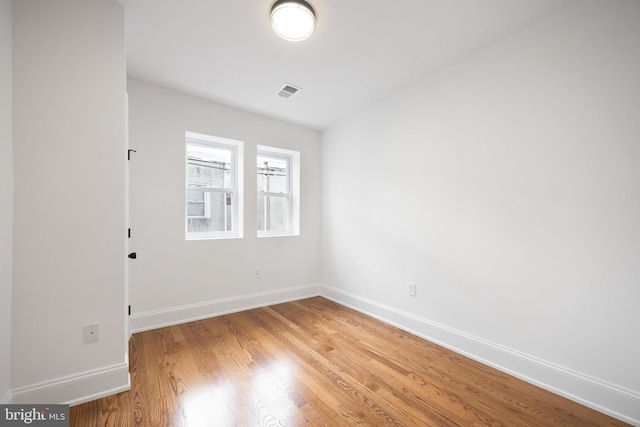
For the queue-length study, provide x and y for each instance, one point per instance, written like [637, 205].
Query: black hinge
[129, 310]
[129, 154]
[129, 233]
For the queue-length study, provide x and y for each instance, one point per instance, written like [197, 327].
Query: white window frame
[236, 185]
[293, 193]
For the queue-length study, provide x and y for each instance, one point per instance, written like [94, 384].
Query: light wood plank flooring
[316, 363]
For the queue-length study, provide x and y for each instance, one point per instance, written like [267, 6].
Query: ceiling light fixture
[293, 20]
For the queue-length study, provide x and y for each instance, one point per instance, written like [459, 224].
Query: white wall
[69, 147]
[174, 280]
[6, 196]
[507, 188]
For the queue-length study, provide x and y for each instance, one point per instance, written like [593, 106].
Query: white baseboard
[76, 389]
[604, 397]
[7, 398]
[189, 313]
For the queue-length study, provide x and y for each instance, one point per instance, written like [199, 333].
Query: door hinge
[129, 310]
[129, 233]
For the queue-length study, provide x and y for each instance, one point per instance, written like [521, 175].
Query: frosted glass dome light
[293, 20]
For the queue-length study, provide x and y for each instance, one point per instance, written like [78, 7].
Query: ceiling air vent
[287, 91]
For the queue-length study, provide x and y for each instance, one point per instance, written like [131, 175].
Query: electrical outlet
[412, 289]
[257, 274]
[90, 332]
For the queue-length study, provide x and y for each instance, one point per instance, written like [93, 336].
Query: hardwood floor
[316, 363]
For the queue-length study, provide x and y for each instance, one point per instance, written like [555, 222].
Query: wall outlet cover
[90, 333]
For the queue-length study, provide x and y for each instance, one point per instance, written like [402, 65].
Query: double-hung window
[278, 191]
[213, 205]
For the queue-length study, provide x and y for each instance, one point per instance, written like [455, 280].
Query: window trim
[235, 189]
[293, 195]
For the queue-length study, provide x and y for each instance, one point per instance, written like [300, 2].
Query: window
[213, 204]
[278, 191]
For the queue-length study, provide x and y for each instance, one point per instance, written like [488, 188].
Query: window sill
[276, 234]
[191, 238]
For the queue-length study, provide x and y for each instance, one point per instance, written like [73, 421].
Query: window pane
[217, 213]
[273, 213]
[208, 166]
[273, 174]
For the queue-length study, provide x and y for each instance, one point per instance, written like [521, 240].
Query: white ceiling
[362, 51]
